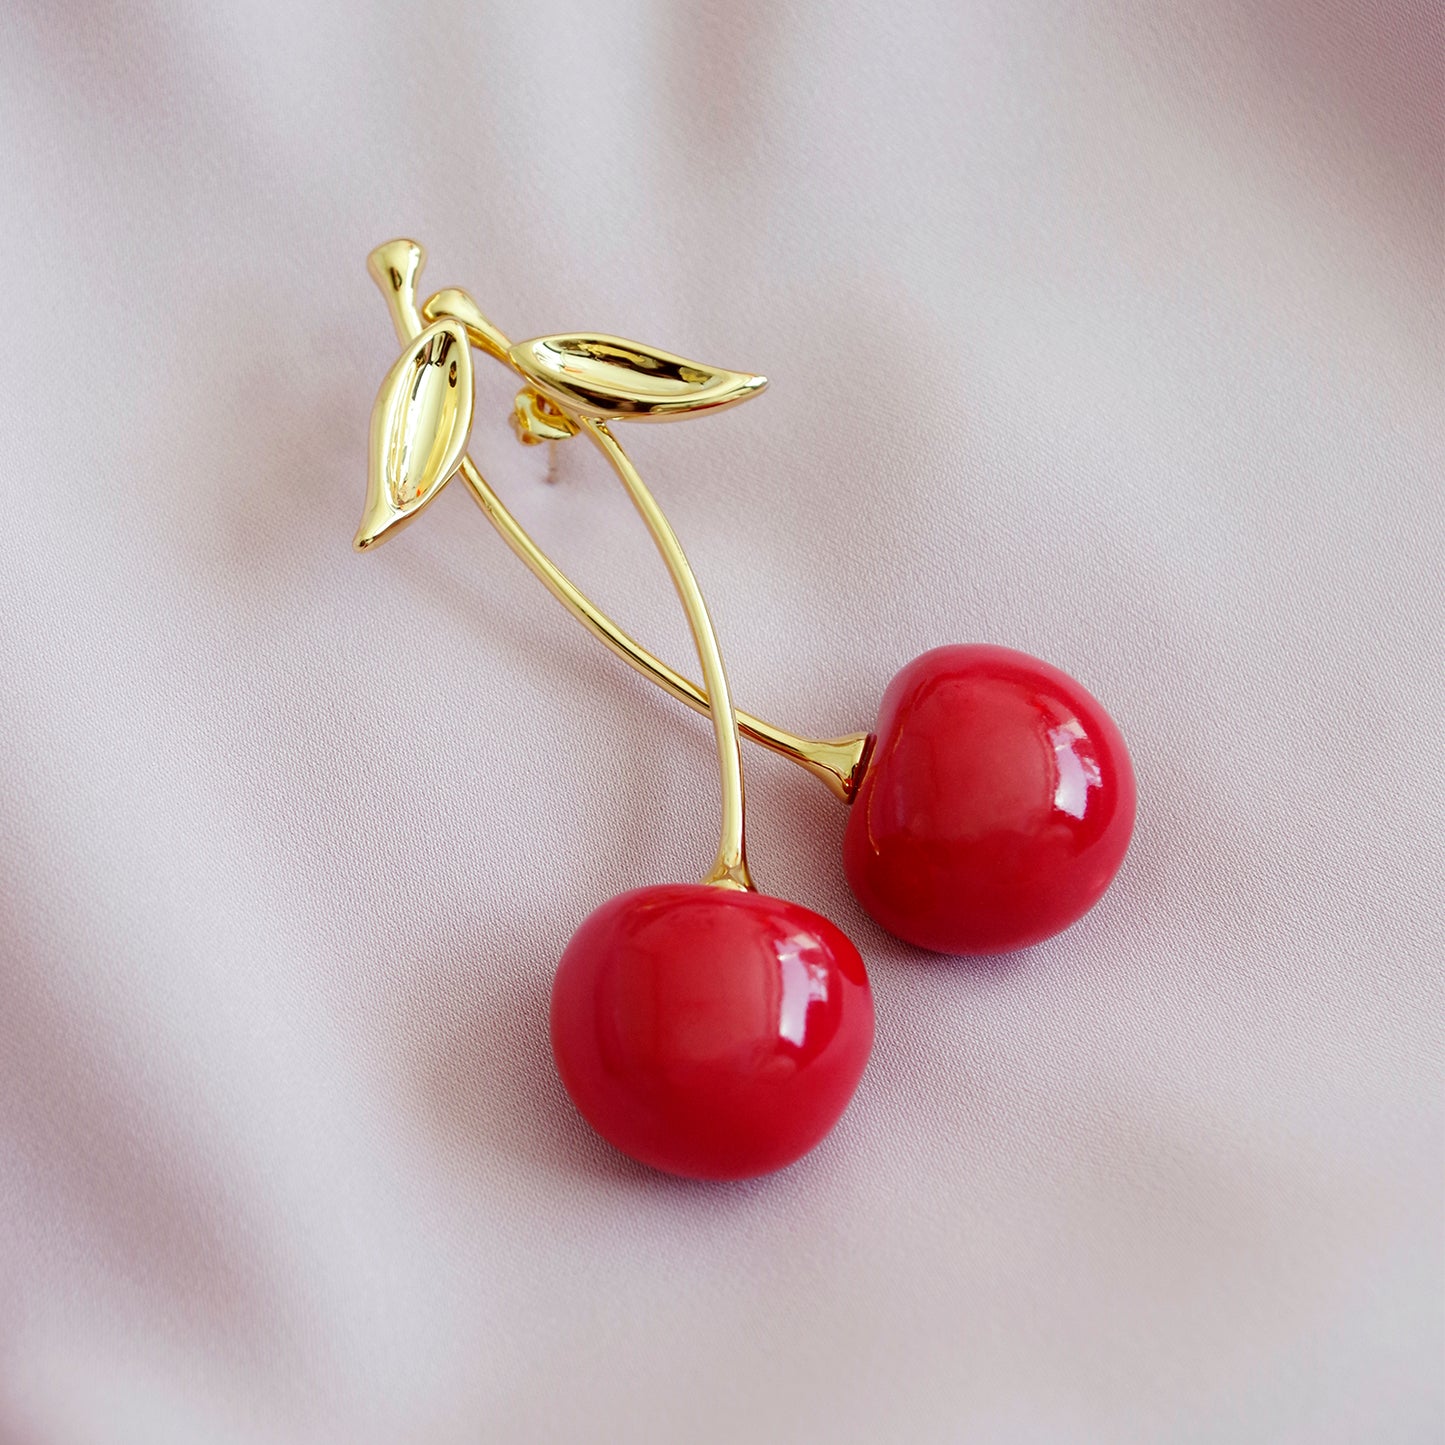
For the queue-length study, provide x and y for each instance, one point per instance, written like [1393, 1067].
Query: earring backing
[994, 800]
[705, 1029]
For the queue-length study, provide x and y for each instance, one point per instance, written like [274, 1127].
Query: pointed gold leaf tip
[419, 428]
[617, 380]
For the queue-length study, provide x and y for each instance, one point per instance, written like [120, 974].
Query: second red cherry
[995, 807]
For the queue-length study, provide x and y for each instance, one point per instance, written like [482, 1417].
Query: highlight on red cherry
[710, 1033]
[996, 807]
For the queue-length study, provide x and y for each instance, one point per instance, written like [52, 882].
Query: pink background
[1109, 331]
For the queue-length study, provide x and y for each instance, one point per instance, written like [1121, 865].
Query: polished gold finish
[419, 429]
[837, 762]
[536, 420]
[395, 267]
[730, 869]
[608, 378]
[433, 425]
[454, 302]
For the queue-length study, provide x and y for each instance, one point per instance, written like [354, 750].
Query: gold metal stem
[837, 762]
[395, 267]
[730, 869]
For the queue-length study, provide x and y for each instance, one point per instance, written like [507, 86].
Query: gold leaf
[419, 429]
[604, 376]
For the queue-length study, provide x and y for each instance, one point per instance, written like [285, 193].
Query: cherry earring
[994, 801]
[704, 1029]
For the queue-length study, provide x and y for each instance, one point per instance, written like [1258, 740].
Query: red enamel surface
[710, 1033]
[997, 805]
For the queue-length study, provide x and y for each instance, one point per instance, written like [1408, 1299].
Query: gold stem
[837, 762]
[730, 869]
[395, 268]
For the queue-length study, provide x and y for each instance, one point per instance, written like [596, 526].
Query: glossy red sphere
[996, 807]
[710, 1033]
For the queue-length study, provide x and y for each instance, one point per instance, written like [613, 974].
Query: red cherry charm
[710, 1033]
[996, 807]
